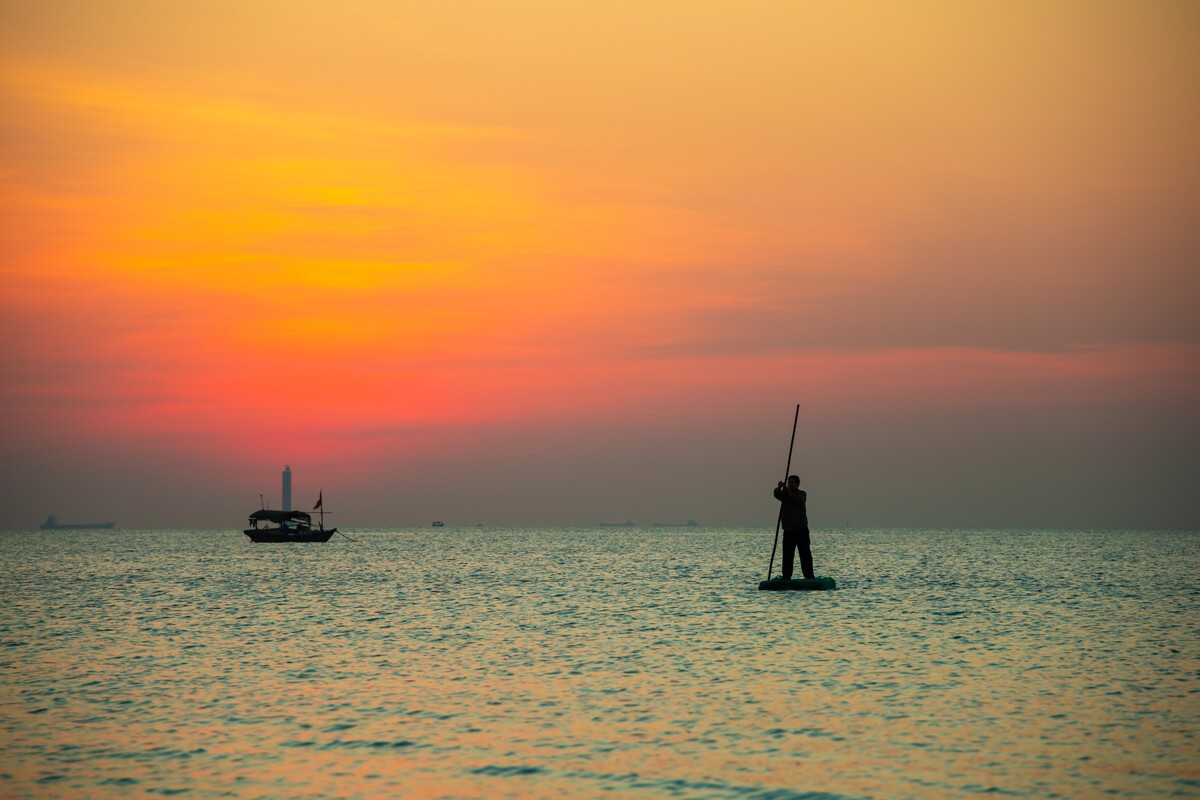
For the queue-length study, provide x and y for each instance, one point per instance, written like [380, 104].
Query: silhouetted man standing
[793, 516]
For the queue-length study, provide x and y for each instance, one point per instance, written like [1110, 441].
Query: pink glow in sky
[519, 263]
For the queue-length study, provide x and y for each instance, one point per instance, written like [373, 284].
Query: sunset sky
[521, 262]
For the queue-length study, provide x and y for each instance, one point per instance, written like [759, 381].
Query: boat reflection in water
[269, 525]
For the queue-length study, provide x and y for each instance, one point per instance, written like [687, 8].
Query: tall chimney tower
[287, 488]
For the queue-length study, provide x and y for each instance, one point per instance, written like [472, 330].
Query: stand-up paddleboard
[798, 584]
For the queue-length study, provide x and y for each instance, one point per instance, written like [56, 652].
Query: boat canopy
[274, 515]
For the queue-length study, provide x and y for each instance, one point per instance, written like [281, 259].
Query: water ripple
[589, 663]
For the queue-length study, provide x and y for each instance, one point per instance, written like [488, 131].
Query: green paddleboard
[793, 584]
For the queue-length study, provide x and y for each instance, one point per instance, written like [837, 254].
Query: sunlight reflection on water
[577, 663]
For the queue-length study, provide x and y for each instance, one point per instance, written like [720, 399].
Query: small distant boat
[52, 524]
[270, 525]
[437, 523]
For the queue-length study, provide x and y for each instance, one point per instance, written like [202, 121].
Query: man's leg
[789, 551]
[806, 564]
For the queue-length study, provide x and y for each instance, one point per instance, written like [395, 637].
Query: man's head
[793, 482]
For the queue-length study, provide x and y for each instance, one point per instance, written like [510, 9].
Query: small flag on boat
[318, 505]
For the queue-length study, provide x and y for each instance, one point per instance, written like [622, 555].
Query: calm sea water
[599, 663]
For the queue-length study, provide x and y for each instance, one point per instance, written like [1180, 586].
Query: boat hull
[263, 535]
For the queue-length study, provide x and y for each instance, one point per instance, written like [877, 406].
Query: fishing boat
[270, 525]
[52, 524]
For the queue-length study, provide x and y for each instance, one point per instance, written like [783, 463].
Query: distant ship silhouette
[52, 524]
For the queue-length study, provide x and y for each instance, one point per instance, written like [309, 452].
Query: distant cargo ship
[52, 524]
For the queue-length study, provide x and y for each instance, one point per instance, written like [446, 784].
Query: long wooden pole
[787, 470]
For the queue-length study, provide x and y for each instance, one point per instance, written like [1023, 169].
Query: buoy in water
[791, 584]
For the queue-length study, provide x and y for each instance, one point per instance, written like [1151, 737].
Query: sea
[599, 663]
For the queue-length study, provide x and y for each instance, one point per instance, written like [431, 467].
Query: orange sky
[590, 246]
